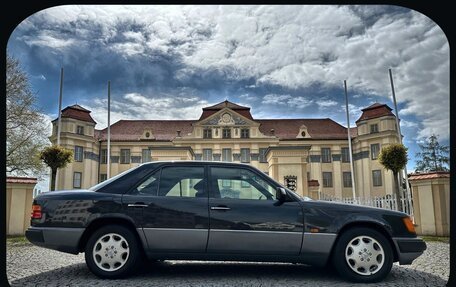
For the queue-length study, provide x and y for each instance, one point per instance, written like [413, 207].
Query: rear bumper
[408, 249]
[57, 238]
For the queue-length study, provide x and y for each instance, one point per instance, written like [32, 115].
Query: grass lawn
[16, 240]
[436, 239]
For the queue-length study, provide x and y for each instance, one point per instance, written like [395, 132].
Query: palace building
[310, 156]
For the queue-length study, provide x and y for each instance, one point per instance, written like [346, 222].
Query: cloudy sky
[167, 62]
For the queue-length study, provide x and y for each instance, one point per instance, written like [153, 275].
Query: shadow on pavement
[194, 273]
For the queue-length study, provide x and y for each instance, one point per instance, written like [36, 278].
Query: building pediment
[226, 117]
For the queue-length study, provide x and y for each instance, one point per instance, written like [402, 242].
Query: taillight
[409, 224]
[36, 211]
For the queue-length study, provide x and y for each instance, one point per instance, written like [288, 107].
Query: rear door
[174, 203]
[245, 217]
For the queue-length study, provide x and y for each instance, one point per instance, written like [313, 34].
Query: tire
[362, 255]
[112, 252]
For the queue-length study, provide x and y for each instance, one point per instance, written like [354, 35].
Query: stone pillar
[289, 161]
[19, 199]
[314, 187]
[431, 203]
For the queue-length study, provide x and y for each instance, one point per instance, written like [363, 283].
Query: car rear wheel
[112, 252]
[363, 255]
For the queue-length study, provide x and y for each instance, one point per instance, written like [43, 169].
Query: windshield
[106, 182]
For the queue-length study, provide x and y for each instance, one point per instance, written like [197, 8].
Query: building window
[77, 178]
[103, 177]
[245, 184]
[325, 154]
[226, 133]
[377, 177]
[78, 153]
[226, 155]
[226, 183]
[245, 133]
[80, 130]
[375, 150]
[245, 155]
[145, 155]
[374, 128]
[207, 154]
[104, 156]
[327, 179]
[262, 155]
[125, 156]
[345, 154]
[347, 177]
[207, 133]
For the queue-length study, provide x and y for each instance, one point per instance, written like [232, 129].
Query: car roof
[199, 162]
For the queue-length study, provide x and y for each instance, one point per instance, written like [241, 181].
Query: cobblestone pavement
[29, 265]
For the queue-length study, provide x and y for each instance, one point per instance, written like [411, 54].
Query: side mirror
[281, 194]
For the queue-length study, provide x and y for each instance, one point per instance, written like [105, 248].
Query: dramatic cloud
[136, 106]
[283, 61]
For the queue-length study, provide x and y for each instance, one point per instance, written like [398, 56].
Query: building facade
[310, 156]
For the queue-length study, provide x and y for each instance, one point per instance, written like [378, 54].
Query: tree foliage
[433, 156]
[25, 125]
[393, 157]
[56, 157]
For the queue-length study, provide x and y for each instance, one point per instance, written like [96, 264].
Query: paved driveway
[28, 265]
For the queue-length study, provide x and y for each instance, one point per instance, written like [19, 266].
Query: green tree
[433, 156]
[25, 125]
[394, 157]
[56, 157]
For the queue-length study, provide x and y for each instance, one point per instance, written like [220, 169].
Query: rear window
[124, 181]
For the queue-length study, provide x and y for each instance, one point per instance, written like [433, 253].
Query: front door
[174, 203]
[245, 217]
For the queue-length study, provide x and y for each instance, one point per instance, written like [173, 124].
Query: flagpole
[108, 155]
[350, 144]
[59, 121]
[409, 198]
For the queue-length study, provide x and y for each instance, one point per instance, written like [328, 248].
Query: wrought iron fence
[385, 202]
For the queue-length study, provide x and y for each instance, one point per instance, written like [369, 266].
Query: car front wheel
[363, 255]
[112, 252]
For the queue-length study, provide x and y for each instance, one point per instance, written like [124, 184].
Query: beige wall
[19, 199]
[280, 163]
[431, 198]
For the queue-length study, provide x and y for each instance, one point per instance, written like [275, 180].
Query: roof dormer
[303, 133]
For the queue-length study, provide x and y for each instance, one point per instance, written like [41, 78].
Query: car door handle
[137, 204]
[220, 208]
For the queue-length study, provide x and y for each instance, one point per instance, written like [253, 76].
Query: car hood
[352, 207]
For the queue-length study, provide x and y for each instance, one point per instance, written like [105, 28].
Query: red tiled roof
[317, 128]
[132, 130]
[77, 112]
[166, 130]
[208, 111]
[429, 175]
[24, 180]
[375, 111]
[313, 182]
[226, 104]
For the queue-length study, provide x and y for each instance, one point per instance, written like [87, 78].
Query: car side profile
[196, 210]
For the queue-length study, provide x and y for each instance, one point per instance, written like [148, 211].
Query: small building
[19, 199]
[310, 156]
[431, 202]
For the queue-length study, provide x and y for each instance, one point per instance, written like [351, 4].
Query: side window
[239, 184]
[150, 185]
[185, 181]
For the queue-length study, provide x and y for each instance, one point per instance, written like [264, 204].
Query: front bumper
[57, 238]
[408, 249]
